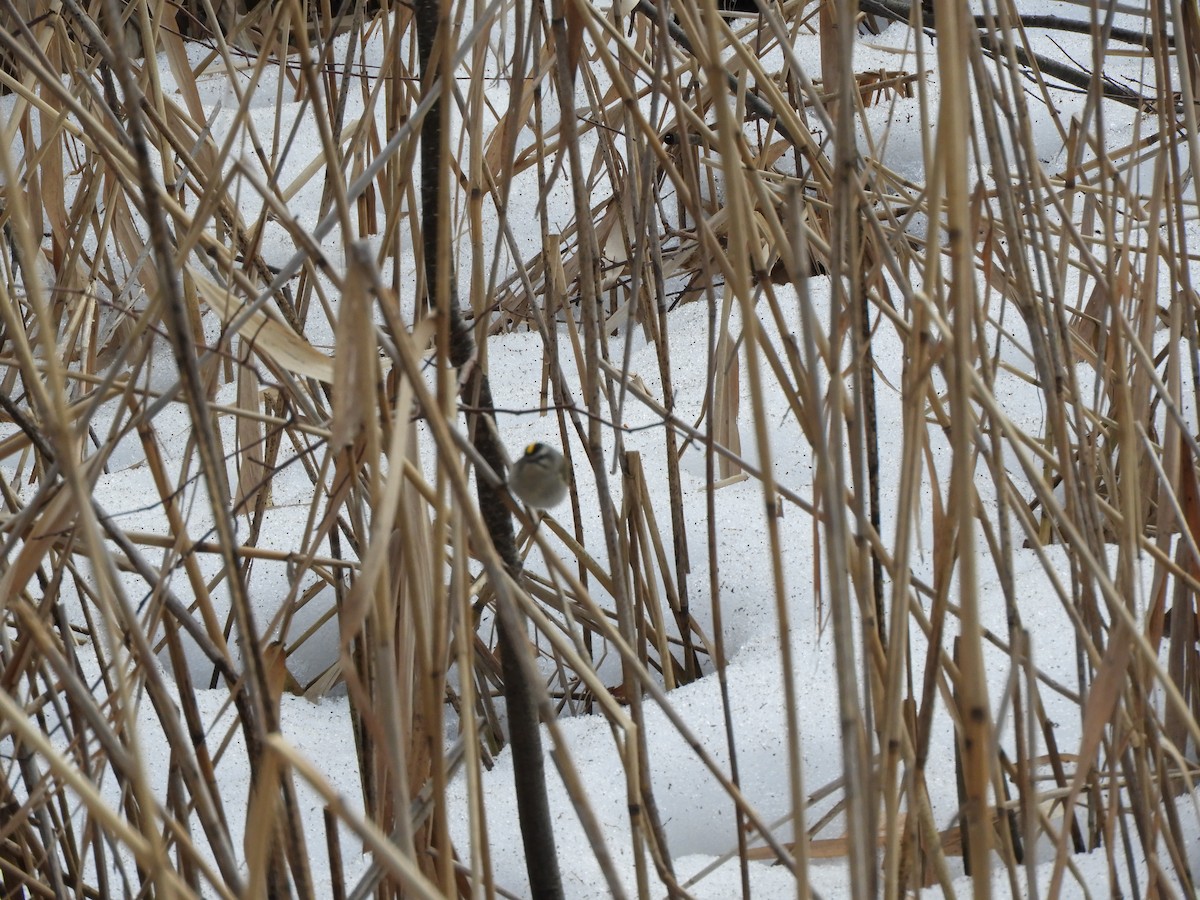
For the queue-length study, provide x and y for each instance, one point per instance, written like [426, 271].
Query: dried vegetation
[142, 284]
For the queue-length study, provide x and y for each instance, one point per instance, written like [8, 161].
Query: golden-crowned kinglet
[540, 477]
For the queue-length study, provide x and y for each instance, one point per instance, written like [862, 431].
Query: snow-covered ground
[697, 814]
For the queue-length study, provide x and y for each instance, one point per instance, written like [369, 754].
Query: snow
[695, 810]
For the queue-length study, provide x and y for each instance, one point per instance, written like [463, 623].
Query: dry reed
[143, 285]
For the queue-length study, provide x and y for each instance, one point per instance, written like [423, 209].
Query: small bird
[540, 478]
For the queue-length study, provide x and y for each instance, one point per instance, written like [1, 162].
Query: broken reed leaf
[264, 335]
[355, 360]
[251, 470]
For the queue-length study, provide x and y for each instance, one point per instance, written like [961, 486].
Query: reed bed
[261, 262]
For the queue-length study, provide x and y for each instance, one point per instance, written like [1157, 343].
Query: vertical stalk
[953, 138]
[457, 347]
